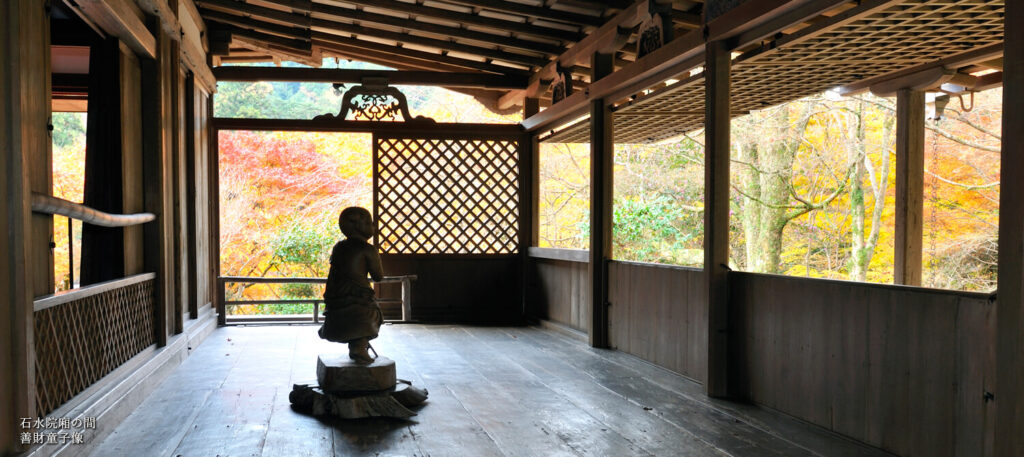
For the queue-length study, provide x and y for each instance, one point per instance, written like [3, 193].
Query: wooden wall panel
[560, 292]
[899, 368]
[203, 199]
[659, 313]
[485, 290]
[131, 157]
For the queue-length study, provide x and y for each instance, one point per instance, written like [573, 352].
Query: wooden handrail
[48, 204]
[223, 302]
[568, 255]
[60, 298]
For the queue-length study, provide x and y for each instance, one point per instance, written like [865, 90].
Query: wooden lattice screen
[446, 195]
[80, 341]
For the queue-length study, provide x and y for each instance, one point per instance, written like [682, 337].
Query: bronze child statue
[351, 315]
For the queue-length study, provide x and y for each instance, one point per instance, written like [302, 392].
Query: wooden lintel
[168, 18]
[330, 75]
[971, 57]
[303, 125]
[123, 19]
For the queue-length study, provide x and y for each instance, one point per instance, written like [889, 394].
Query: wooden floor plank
[493, 392]
[630, 420]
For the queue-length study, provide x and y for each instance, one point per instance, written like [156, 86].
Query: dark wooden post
[529, 169]
[157, 123]
[531, 106]
[602, 150]
[1009, 341]
[25, 91]
[716, 214]
[909, 186]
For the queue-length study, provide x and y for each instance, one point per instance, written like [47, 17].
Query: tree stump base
[350, 390]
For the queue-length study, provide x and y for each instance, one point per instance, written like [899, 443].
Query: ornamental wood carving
[374, 100]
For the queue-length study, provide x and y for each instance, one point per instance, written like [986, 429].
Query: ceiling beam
[415, 54]
[606, 38]
[518, 28]
[386, 59]
[231, 6]
[312, 58]
[333, 75]
[253, 24]
[538, 12]
[320, 10]
[768, 25]
[326, 25]
[672, 59]
[974, 56]
[123, 19]
[300, 46]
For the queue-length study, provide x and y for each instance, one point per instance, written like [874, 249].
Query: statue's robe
[351, 312]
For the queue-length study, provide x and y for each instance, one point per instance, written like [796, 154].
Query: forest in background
[813, 189]
[281, 192]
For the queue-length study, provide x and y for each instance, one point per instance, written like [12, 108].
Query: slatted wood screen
[446, 195]
[79, 342]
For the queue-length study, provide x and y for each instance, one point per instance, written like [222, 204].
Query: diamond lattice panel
[447, 196]
[79, 342]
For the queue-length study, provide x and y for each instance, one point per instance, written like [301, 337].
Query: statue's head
[356, 223]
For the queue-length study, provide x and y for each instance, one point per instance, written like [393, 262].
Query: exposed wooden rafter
[326, 26]
[319, 10]
[517, 28]
[538, 12]
[325, 39]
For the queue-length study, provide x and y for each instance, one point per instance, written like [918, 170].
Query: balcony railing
[83, 334]
[405, 300]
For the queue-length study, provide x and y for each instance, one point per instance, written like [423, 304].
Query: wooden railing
[83, 334]
[223, 303]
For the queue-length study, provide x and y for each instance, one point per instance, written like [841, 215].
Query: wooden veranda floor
[493, 392]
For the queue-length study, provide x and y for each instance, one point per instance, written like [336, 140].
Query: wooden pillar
[527, 216]
[1009, 339]
[530, 182]
[530, 108]
[716, 214]
[24, 112]
[909, 186]
[602, 151]
[157, 125]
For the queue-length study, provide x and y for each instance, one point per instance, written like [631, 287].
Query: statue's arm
[373, 263]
